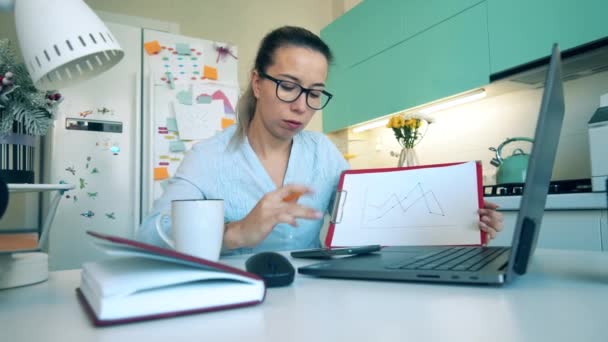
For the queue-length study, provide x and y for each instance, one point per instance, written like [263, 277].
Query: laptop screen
[540, 168]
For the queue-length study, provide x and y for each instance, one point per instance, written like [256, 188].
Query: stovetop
[556, 187]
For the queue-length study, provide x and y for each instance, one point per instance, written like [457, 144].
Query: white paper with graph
[429, 205]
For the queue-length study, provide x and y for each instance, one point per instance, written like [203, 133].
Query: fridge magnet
[95, 170]
[169, 137]
[164, 163]
[104, 111]
[164, 157]
[75, 198]
[115, 150]
[111, 216]
[152, 47]
[85, 113]
[223, 52]
[71, 170]
[88, 161]
[175, 159]
[92, 195]
[88, 214]
[83, 184]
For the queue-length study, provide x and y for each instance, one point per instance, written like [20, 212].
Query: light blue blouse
[212, 170]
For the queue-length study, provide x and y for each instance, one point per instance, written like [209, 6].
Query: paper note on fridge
[199, 121]
[424, 205]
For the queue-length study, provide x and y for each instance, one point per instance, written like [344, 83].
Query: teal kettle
[511, 169]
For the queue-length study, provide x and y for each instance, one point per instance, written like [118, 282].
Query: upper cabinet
[524, 30]
[396, 54]
[376, 25]
[365, 30]
[443, 59]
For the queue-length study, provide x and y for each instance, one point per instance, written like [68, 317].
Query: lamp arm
[7, 5]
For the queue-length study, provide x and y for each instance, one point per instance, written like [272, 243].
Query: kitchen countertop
[574, 201]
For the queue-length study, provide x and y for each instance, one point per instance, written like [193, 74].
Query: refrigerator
[117, 137]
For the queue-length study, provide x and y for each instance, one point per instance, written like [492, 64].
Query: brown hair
[280, 37]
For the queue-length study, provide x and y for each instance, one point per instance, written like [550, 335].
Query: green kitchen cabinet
[521, 31]
[376, 25]
[444, 60]
[366, 29]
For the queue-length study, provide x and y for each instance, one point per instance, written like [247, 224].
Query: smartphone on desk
[329, 252]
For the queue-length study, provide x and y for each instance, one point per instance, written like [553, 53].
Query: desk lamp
[62, 42]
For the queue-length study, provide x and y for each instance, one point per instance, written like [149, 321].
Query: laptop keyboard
[453, 259]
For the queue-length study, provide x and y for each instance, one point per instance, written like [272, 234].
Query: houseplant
[25, 113]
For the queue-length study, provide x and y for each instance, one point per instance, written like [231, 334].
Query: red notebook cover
[179, 258]
[332, 227]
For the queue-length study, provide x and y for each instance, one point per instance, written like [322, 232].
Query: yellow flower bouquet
[407, 129]
[408, 133]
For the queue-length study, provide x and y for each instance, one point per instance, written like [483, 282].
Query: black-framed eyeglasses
[288, 91]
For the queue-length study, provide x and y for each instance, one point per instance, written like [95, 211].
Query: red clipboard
[329, 239]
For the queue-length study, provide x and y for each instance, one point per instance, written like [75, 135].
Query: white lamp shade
[63, 42]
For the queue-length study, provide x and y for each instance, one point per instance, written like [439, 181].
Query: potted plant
[25, 113]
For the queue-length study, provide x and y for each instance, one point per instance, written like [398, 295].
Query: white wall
[466, 132]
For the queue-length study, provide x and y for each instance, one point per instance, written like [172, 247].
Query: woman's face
[299, 65]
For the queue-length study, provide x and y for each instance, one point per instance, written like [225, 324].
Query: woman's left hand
[491, 220]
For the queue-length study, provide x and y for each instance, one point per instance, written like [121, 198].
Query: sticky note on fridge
[161, 173]
[227, 122]
[177, 146]
[152, 47]
[182, 48]
[171, 124]
[210, 72]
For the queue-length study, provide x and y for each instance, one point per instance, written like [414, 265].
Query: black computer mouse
[273, 267]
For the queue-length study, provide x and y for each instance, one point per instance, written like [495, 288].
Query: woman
[256, 165]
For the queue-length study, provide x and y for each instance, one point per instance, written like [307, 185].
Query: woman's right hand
[271, 210]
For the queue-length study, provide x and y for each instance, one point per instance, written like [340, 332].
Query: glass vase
[408, 157]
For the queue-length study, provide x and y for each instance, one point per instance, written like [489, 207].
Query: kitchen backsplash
[467, 131]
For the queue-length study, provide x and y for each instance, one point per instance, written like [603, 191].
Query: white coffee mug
[197, 227]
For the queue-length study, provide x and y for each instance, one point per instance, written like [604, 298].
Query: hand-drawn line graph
[401, 209]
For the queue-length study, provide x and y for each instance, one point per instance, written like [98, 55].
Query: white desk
[564, 298]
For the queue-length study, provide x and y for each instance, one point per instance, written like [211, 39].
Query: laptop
[474, 264]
